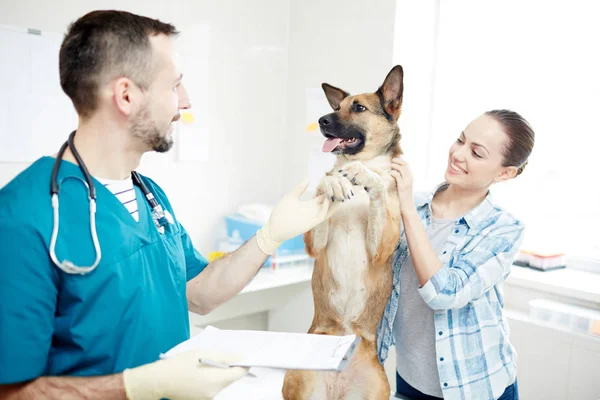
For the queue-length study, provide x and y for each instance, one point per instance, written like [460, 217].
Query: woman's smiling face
[475, 159]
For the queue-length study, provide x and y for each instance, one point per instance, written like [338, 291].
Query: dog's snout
[325, 120]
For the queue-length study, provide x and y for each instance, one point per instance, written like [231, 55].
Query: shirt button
[441, 333]
[445, 384]
[441, 358]
[456, 231]
[444, 252]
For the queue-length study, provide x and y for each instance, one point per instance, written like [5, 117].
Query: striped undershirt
[124, 191]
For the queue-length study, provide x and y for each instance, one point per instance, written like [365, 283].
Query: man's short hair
[104, 45]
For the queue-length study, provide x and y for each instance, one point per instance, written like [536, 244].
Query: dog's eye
[359, 108]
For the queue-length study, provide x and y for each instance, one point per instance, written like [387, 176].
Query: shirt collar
[473, 218]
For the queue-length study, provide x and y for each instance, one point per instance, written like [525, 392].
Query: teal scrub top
[123, 314]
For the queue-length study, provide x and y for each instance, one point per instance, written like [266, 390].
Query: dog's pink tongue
[331, 144]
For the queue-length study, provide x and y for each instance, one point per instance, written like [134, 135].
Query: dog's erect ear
[334, 95]
[390, 93]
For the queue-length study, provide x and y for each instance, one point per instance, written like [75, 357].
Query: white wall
[415, 49]
[247, 87]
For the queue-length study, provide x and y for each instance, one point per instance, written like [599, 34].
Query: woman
[445, 313]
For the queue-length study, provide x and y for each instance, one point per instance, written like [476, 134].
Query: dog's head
[365, 125]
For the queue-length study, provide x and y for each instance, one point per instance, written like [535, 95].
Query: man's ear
[124, 93]
[334, 95]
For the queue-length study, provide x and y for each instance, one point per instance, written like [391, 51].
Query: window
[464, 57]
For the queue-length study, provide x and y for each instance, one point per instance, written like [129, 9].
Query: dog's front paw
[359, 175]
[335, 188]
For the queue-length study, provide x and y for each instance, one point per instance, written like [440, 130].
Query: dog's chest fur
[347, 256]
[348, 259]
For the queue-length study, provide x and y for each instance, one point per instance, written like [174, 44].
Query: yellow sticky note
[215, 255]
[312, 127]
[595, 327]
[187, 117]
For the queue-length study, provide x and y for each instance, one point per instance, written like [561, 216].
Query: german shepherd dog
[353, 249]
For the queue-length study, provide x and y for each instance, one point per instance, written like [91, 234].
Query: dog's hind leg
[372, 385]
[367, 376]
[300, 385]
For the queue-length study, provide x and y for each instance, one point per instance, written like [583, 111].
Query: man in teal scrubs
[99, 335]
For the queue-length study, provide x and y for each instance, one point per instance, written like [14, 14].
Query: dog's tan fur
[352, 278]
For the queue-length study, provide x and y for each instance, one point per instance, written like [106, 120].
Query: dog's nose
[325, 120]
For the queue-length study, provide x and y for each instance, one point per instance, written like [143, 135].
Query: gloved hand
[181, 377]
[292, 217]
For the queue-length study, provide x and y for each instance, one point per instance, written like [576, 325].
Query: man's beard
[145, 129]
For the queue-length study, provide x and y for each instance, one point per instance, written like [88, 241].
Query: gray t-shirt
[414, 330]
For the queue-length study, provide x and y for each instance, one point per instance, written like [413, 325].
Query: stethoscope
[160, 217]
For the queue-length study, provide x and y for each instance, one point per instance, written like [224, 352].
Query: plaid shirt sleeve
[481, 265]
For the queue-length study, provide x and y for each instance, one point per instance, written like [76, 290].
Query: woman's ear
[506, 173]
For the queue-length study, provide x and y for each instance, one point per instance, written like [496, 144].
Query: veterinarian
[87, 305]
[445, 314]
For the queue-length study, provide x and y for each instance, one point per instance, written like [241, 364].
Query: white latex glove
[181, 377]
[292, 217]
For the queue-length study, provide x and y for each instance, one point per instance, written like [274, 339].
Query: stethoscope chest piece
[161, 218]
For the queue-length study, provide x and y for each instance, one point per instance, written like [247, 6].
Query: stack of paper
[276, 349]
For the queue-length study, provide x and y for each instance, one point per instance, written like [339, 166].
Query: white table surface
[569, 282]
[287, 275]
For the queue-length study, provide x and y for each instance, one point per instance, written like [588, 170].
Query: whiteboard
[35, 115]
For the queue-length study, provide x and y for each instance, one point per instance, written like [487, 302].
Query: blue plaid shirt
[475, 358]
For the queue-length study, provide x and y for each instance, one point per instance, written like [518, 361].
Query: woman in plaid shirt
[445, 314]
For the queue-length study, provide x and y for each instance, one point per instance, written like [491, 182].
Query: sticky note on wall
[595, 327]
[187, 117]
[312, 127]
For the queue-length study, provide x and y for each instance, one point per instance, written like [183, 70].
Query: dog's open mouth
[336, 143]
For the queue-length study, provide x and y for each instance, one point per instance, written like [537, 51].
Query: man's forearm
[224, 278]
[109, 387]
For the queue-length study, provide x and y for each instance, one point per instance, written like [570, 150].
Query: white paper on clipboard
[279, 350]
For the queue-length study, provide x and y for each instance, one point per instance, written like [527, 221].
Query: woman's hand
[404, 183]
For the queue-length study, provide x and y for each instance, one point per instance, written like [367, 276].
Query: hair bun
[521, 168]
